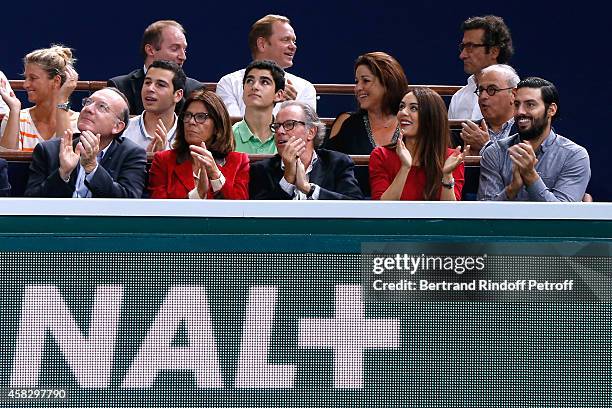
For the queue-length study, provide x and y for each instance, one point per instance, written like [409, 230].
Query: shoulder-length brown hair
[223, 138]
[391, 76]
[433, 138]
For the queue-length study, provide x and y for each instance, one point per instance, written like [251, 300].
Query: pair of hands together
[85, 152]
[160, 138]
[205, 166]
[523, 169]
[295, 172]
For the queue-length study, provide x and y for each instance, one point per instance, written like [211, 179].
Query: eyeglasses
[470, 46]
[100, 106]
[287, 125]
[199, 117]
[491, 90]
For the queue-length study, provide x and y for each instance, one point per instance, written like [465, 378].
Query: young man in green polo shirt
[263, 86]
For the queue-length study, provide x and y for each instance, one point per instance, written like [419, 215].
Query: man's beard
[538, 125]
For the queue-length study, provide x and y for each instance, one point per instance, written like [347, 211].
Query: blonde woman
[50, 79]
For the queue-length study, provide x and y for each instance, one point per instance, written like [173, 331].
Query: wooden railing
[322, 89]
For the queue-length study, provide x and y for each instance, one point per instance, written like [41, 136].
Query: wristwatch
[311, 191]
[450, 184]
[63, 106]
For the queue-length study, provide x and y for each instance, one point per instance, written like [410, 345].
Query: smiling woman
[50, 79]
[202, 163]
[380, 83]
[420, 166]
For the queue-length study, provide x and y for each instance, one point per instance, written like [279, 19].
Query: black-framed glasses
[491, 90]
[470, 46]
[199, 117]
[100, 106]
[287, 125]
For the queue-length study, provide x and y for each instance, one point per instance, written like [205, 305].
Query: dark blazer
[121, 172]
[5, 186]
[131, 85]
[333, 172]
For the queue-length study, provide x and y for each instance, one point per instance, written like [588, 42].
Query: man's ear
[119, 126]
[149, 50]
[261, 44]
[178, 95]
[494, 51]
[312, 133]
[279, 96]
[552, 110]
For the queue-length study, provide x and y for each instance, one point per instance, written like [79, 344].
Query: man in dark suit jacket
[97, 163]
[162, 40]
[300, 171]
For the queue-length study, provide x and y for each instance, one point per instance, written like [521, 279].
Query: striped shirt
[29, 136]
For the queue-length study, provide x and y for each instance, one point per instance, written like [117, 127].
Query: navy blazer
[131, 86]
[333, 172]
[5, 186]
[121, 172]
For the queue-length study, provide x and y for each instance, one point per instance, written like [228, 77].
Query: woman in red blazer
[202, 162]
[420, 166]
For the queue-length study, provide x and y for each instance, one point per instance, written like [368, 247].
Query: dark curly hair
[496, 34]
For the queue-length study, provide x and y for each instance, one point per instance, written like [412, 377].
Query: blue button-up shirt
[563, 167]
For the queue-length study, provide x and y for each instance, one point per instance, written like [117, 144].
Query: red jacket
[168, 179]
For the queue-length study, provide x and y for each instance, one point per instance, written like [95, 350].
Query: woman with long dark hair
[420, 166]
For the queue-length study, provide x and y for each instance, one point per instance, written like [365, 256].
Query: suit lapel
[109, 153]
[317, 174]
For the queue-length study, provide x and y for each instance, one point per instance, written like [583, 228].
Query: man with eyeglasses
[496, 100]
[271, 38]
[486, 41]
[535, 164]
[98, 162]
[162, 40]
[301, 171]
[163, 88]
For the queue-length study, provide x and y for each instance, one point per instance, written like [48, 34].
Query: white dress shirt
[464, 104]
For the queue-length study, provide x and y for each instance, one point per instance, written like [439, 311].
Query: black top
[355, 135]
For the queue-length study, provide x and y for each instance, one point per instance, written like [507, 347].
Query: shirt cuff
[536, 190]
[217, 184]
[194, 195]
[89, 176]
[287, 187]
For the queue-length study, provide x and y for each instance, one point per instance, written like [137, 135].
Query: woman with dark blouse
[420, 166]
[202, 163]
[380, 83]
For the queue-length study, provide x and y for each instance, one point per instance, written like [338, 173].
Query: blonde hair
[53, 60]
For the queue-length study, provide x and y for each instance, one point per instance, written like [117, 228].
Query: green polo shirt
[247, 142]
